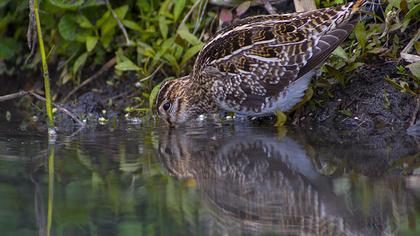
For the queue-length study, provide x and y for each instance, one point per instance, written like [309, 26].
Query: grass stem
[48, 103]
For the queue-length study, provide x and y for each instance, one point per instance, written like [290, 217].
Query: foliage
[378, 40]
[87, 32]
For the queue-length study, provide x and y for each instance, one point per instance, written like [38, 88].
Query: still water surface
[221, 180]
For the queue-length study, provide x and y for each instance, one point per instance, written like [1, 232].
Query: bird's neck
[200, 96]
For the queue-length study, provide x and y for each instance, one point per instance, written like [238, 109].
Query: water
[238, 179]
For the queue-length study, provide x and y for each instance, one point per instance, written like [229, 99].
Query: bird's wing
[260, 56]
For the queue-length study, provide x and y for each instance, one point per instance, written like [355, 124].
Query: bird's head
[174, 103]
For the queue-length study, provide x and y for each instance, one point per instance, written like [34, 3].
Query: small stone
[102, 120]
[34, 118]
[8, 115]
[134, 120]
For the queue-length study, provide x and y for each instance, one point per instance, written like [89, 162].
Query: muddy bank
[367, 105]
[103, 100]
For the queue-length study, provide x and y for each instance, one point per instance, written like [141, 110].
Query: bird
[259, 65]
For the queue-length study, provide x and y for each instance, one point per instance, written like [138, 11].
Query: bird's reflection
[255, 181]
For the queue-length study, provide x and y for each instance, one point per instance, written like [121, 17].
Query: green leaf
[103, 19]
[415, 69]
[82, 35]
[335, 74]
[91, 42]
[412, 12]
[352, 66]
[132, 25]
[80, 61]
[153, 95]
[179, 7]
[243, 7]
[67, 27]
[191, 52]
[127, 65]
[340, 52]
[129, 228]
[171, 60]
[162, 50]
[360, 33]
[108, 28]
[8, 48]
[163, 26]
[65, 4]
[164, 6]
[417, 47]
[143, 5]
[84, 22]
[121, 11]
[185, 34]
[3, 3]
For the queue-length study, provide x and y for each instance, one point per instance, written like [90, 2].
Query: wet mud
[367, 105]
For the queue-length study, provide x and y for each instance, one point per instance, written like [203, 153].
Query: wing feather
[254, 60]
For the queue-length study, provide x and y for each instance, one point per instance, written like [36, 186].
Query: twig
[59, 107]
[405, 52]
[118, 22]
[120, 95]
[13, 96]
[416, 112]
[152, 74]
[104, 68]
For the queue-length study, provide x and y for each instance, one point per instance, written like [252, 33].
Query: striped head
[173, 101]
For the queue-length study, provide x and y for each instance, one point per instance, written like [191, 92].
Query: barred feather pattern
[259, 65]
[248, 65]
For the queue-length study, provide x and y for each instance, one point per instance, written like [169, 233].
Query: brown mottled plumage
[258, 65]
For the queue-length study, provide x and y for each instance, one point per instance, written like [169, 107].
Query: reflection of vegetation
[51, 169]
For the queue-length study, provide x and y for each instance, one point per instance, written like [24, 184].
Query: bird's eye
[166, 106]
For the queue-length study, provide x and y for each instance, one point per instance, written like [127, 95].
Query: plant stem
[48, 103]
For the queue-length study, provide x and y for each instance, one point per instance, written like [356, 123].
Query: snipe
[259, 65]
